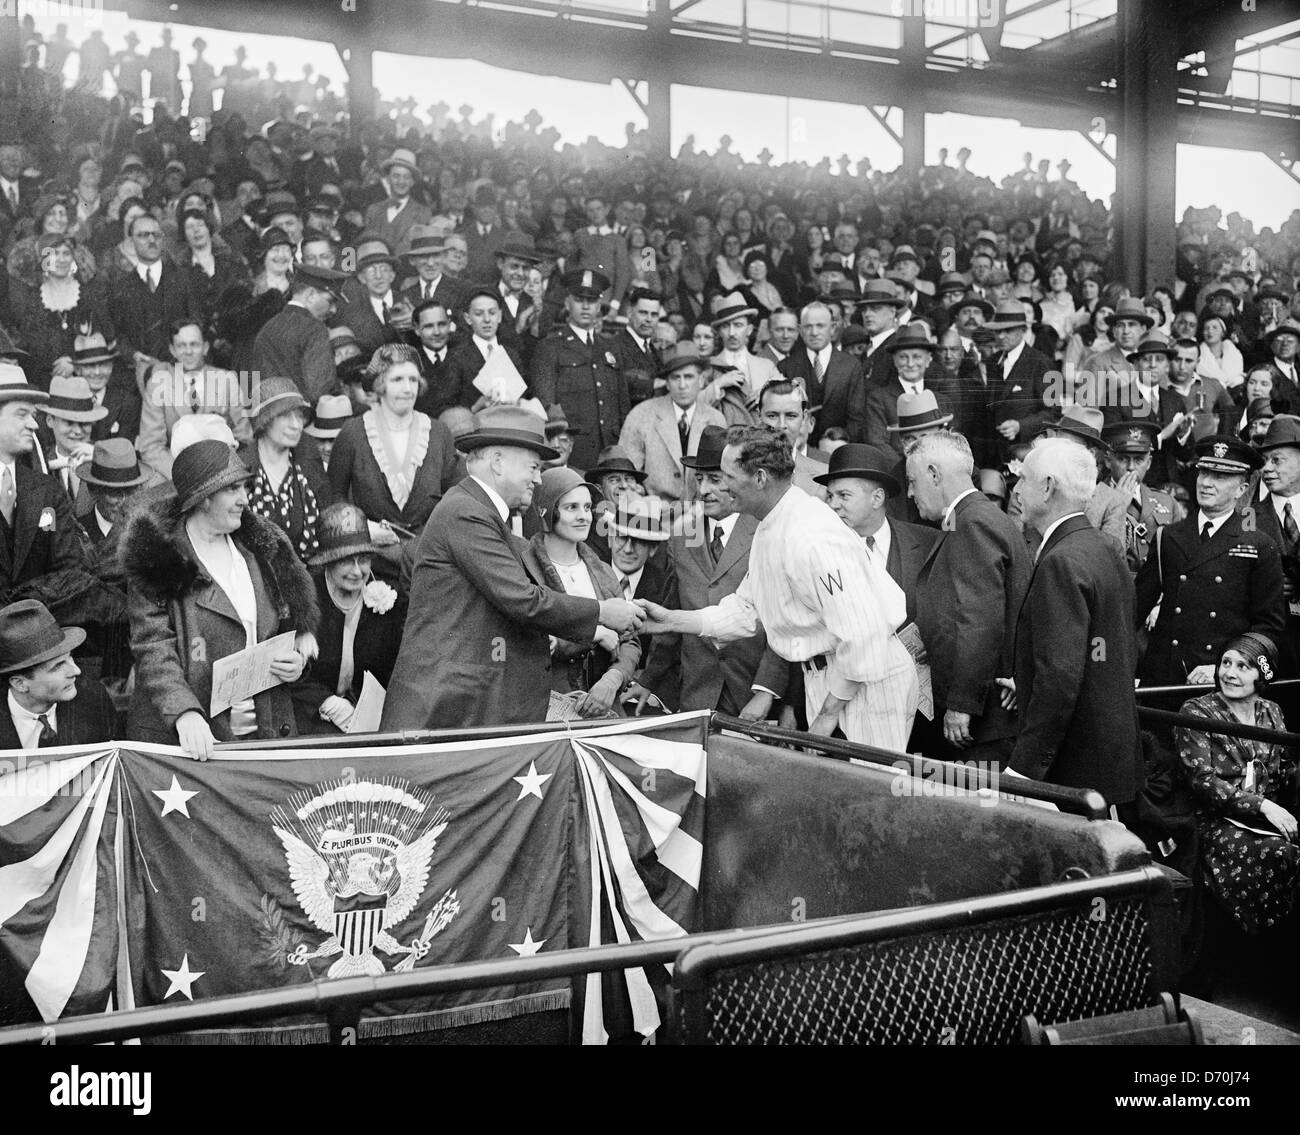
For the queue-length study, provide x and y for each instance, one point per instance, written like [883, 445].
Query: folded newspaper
[910, 637]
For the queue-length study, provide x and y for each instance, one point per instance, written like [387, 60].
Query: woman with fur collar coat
[189, 607]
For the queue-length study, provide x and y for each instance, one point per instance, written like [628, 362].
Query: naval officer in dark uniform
[576, 366]
[1213, 579]
[1132, 445]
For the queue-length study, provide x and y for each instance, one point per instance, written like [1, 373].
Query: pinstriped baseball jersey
[816, 592]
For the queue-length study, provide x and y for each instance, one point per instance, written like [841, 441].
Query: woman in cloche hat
[360, 627]
[595, 672]
[206, 578]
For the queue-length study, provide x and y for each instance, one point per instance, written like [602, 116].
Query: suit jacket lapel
[8, 731]
[666, 427]
[742, 536]
[1217, 544]
[27, 514]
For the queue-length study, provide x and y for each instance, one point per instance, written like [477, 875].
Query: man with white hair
[1075, 652]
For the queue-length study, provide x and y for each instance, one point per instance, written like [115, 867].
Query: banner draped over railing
[135, 876]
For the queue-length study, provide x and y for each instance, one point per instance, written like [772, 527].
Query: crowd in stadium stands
[247, 353]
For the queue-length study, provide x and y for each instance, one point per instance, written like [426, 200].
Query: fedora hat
[557, 423]
[1007, 316]
[508, 425]
[400, 157]
[880, 292]
[950, 282]
[333, 411]
[71, 400]
[911, 336]
[114, 465]
[612, 459]
[1082, 422]
[521, 248]
[684, 354]
[1272, 292]
[372, 250]
[708, 451]
[426, 239]
[1154, 343]
[14, 386]
[971, 300]
[204, 468]
[642, 518]
[275, 396]
[918, 412]
[30, 635]
[342, 531]
[1284, 430]
[1222, 454]
[733, 306]
[866, 461]
[1130, 308]
[1287, 328]
[92, 348]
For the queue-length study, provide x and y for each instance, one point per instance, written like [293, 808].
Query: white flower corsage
[378, 596]
[1014, 467]
[609, 358]
[47, 520]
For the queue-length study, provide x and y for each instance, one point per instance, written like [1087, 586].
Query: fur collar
[157, 559]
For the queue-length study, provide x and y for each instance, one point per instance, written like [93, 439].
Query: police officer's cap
[585, 283]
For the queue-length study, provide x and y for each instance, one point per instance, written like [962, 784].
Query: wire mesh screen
[961, 986]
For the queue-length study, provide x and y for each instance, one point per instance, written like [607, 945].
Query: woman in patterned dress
[1249, 853]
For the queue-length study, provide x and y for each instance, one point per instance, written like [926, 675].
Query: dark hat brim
[727, 314]
[516, 439]
[1082, 432]
[73, 637]
[235, 473]
[342, 552]
[919, 422]
[922, 344]
[886, 480]
[24, 394]
[599, 471]
[144, 474]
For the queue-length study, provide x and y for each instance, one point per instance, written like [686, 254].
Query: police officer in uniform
[1213, 579]
[1132, 444]
[576, 367]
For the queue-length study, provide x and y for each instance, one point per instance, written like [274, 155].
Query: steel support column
[659, 117]
[913, 101]
[11, 57]
[1147, 142]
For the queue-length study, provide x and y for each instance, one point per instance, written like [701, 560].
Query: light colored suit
[397, 232]
[651, 440]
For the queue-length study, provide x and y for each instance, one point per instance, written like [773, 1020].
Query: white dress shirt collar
[495, 497]
[1215, 523]
[634, 579]
[824, 354]
[882, 538]
[26, 724]
[877, 339]
[483, 345]
[728, 526]
[1013, 356]
[379, 302]
[947, 512]
[1052, 528]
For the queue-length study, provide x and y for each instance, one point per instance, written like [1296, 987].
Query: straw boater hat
[204, 468]
[508, 425]
[1008, 316]
[332, 413]
[865, 461]
[341, 532]
[275, 396]
[30, 635]
[92, 348]
[114, 465]
[733, 306]
[426, 239]
[14, 386]
[71, 400]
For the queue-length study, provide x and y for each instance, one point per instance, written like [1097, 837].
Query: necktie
[1205, 532]
[488, 353]
[625, 585]
[683, 430]
[818, 370]
[194, 394]
[386, 309]
[428, 290]
[48, 735]
[13, 199]
[870, 541]
[715, 545]
[1289, 527]
[7, 495]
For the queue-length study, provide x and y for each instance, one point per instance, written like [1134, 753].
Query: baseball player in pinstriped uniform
[821, 602]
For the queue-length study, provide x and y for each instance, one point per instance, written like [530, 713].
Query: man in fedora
[916, 415]
[1019, 377]
[295, 343]
[615, 475]
[559, 436]
[830, 378]
[1214, 577]
[376, 315]
[476, 647]
[1277, 515]
[38, 533]
[1147, 510]
[575, 365]
[93, 359]
[879, 306]
[1148, 396]
[659, 433]
[806, 585]
[69, 414]
[482, 236]
[427, 254]
[333, 412]
[637, 529]
[1110, 370]
[392, 220]
[1106, 508]
[913, 352]
[47, 702]
[514, 258]
[741, 374]
[710, 560]
[969, 591]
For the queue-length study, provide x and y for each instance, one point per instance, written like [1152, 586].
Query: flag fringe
[377, 1028]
